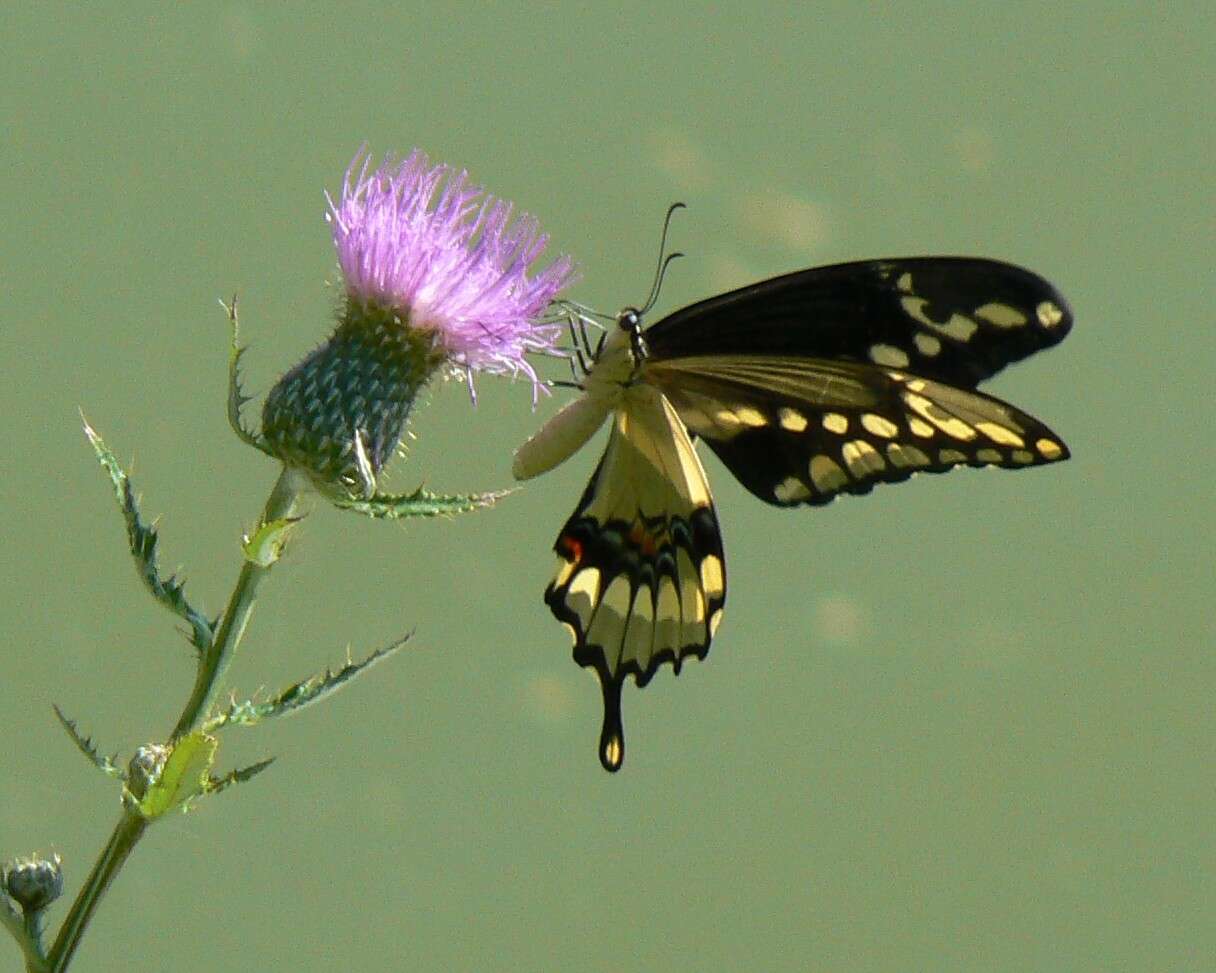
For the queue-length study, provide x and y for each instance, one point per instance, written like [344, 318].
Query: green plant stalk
[29, 942]
[281, 505]
[283, 502]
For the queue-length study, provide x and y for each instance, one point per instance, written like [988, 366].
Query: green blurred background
[962, 724]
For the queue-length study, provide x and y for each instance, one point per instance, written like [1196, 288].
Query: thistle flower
[436, 276]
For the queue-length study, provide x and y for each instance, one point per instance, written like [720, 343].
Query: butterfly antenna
[664, 261]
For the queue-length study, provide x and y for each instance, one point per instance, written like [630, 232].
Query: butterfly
[806, 386]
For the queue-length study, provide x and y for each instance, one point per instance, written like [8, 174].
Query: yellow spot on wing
[583, 593]
[950, 425]
[1049, 448]
[791, 489]
[613, 751]
[989, 455]
[888, 356]
[862, 458]
[920, 427]
[692, 602]
[640, 633]
[879, 425]
[835, 422]
[751, 417]
[1049, 314]
[607, 628]
[792, 419]
[667, 617]
[1001, 435]
[952, 456]
[1002, 315]
[617, 597]
[826, 475]
[726, 419]
[927, 344]
[1022, 456]
[958, 326]
[903, 455]
[711, 576]
[564, 570]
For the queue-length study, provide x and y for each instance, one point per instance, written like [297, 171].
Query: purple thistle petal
[450, 260]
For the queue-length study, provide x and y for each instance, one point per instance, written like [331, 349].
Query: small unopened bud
[145, 768]
[34, 883]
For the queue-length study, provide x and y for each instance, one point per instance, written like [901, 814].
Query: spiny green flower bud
[145, 768]
[436, 277]
[344, 406]
[34, 883]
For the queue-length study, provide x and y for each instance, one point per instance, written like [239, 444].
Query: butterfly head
[629, 321]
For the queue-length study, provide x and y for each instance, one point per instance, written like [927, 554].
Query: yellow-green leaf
[186, 775]
[266, 543]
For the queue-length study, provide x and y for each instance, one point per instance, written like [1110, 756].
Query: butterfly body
[806, 386]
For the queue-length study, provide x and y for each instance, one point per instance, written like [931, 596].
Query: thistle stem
[282, 504]
[30, 945]
[131, 827]
[122, 842]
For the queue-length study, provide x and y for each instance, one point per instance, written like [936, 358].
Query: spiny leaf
[236, 395]
[86, 746]
[143, 541]
[217, 784]
[186, 775]
[420, 503]
[299, 695]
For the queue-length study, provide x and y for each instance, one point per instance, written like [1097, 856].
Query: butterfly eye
[629, 319]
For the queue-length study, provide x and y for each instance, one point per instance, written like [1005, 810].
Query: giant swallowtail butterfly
[816, 383]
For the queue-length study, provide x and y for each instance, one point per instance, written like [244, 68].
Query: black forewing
[958, 320]
[833, 379]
